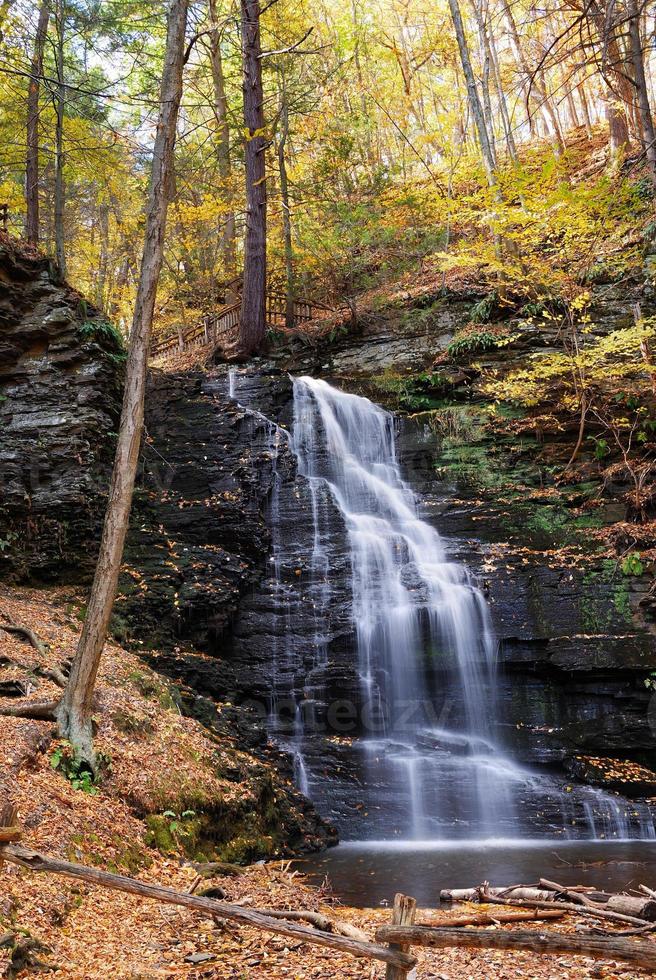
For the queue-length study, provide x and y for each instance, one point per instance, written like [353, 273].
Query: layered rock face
[198, 539]
[60, 390]
[218, 557]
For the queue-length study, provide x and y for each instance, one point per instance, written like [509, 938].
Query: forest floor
[90, 933]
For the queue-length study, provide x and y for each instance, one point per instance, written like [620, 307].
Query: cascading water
[410, 605]
[430, 761]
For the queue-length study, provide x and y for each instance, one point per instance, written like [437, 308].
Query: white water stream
[418, 618]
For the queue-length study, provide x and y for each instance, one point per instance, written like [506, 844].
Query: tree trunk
[485, 78]
[532, 82]
[580, 88]
[252, 326]
[618, 129]
[615, 78]
[369, 155]
[503, 105]
[74, 712]
[286, 214]
[60, 102]
[571, 104]
[228, 243]
[32, 159]
[646, 120]
[472, 92]
[103, 257]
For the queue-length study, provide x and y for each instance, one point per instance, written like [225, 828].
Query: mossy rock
[245, 850]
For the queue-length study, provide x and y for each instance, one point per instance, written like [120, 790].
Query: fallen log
[647, 891]
[578, 895]
[317, 920]
[638, 931]
[491, 918]
[598, 913]
[515, 891]
[506, 896]
[34, 861]
[641, 953]
[640, 908]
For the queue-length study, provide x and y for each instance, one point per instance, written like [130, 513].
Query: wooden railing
[221, 327]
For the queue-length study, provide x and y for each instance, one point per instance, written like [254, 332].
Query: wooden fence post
[403, 914]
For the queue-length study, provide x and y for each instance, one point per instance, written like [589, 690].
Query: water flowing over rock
[415, 749]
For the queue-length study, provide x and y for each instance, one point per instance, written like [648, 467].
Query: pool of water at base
[368, 874]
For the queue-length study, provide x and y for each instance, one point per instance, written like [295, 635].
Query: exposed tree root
[55, 675]
[11, 626]
[40, 710]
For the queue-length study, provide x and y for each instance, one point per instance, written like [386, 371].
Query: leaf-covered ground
[159, 758]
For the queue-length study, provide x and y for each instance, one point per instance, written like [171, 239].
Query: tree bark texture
[74, 712]
[252, 327]
[32, 158]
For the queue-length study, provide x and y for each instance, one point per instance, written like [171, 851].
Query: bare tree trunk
[472, 92]
[503, 105]
[103, 258]
[646, 120]
[584, 107]
[228, 244]
[614, 77]
[60, 99]
[485, 77]
[532, 81]
[252, 327]
[32, 159]
[370, 156]
[286, 212]
[571, 104]
[618, 130]
[74, 712]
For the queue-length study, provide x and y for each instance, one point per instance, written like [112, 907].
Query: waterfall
[425, 758]
[415, 613]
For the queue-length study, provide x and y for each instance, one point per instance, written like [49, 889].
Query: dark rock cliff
[198, 539]
[210, 596]
[60, 368]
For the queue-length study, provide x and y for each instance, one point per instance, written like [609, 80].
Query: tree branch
[292, 47]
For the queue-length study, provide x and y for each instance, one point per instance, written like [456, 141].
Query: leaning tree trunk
[472, 92]
[32, 158]
[74, 712]
[252, 327]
